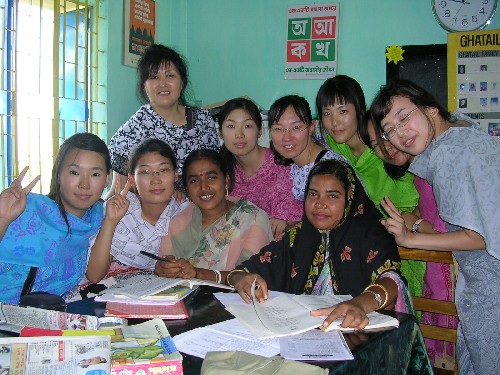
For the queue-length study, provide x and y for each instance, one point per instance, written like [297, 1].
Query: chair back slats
[430, 305]
[434, 306]
[426, 255]
[439, 333]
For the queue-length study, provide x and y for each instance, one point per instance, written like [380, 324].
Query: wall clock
[464, 15]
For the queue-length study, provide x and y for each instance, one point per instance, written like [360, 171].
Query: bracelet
[416, 224]
[218, 276]
[381, 287]
[377, 297]
[229, 274]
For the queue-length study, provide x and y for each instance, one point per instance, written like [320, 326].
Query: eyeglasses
[278, 130]
[389, 133]
[150, 173]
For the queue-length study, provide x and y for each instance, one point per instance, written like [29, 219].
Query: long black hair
[340, 89]
[249, 107]
[80, 141]
[394, 171]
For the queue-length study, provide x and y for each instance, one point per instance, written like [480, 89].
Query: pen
[155, 257]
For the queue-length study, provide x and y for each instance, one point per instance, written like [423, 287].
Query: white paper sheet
[315, 345]
[280, 316]
[225, 336]
[235, 299]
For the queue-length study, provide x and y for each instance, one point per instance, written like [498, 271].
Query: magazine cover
[144, 348]
[78, 355]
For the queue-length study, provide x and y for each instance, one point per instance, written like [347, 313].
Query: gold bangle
[385, 292]
[229, 274]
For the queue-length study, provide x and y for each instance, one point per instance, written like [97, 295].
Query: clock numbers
[464, 15]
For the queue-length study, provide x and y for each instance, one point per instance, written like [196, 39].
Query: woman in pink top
[257, 178]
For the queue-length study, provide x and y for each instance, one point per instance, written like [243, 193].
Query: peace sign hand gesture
[117, 206]
[13, 199]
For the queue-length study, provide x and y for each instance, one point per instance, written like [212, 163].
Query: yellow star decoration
[394, 54]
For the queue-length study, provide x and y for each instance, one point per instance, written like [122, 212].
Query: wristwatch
[415, 226]
[375, 295]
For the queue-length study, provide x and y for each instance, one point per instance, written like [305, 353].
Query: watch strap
[375, 295]
[416, 225]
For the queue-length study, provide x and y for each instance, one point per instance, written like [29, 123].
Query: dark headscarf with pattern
[359, 246]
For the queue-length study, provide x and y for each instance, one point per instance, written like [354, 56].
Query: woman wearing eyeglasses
[135, 221]
[461, 164]
[292, 128]
[439, 279]
[341, 106]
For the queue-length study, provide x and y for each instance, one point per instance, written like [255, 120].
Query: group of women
[319, 212]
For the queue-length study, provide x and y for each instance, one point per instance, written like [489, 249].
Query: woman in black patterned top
[163, 78]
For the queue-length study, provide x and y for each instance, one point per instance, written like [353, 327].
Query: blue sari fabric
[39, 237]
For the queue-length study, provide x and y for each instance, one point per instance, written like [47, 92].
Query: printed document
[229, 335]
[315, 345]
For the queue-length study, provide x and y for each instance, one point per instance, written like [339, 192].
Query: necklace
[309, 156]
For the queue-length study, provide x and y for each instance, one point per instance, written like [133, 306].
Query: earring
[227, 190]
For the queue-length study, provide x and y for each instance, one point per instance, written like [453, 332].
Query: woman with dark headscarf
[340, 248]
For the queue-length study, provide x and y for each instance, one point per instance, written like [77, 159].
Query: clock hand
[461, 1]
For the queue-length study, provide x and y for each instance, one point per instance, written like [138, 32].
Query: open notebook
[155, 288]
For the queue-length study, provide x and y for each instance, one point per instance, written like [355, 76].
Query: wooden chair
[433, 306]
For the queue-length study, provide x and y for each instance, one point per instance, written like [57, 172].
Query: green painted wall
[237, 47]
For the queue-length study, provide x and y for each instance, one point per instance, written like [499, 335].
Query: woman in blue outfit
[52, 232]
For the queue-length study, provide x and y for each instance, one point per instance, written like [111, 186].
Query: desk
[396, 351]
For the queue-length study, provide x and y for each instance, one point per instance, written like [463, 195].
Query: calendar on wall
[474, 76]
[139, 29]
[312, 41]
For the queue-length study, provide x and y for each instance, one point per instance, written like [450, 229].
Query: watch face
[464, 15]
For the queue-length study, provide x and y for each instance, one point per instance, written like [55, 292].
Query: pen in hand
[155, 257]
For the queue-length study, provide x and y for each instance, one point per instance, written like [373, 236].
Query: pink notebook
[129, 310]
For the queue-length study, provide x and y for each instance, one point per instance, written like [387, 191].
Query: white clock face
[464, 15]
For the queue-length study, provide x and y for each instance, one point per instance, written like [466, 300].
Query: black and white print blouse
[198, 132]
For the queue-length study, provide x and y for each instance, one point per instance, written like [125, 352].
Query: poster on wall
[474, 76]
[312, 41]
[140, 29]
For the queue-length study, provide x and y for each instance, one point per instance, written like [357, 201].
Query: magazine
[13, 318]
[152, 287]
[77, 355]
[144, 348]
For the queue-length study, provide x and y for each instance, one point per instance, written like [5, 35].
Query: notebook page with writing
[146, 286]
[281, 316]
[313, 302]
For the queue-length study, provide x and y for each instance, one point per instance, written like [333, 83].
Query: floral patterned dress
[343, 260]
[231, 239]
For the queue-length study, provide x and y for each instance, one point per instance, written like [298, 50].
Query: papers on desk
[287, 314]
[225, 336]
[278, 317]
[315, 345]
[230, 335]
